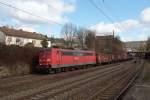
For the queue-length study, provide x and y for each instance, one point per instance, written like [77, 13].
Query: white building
[11, 36]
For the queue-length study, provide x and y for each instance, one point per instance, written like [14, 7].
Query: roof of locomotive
[70, 50]
[76, 50]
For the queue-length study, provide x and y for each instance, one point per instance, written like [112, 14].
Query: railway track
[33, 81]
[75, 87]
[127, 86]
[35, 77]
[79, 93]
[63, 88]
[115, 89]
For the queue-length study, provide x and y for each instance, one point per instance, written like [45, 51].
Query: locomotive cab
[57, 59]
[44, 59]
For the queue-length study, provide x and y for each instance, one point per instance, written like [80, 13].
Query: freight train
[55, 59]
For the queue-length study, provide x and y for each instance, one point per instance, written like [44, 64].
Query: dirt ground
[141, 88]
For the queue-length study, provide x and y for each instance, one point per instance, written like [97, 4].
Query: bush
[29, 45]
[13, 55]
[44, 43]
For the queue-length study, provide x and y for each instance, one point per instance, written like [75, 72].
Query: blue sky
[131, 18]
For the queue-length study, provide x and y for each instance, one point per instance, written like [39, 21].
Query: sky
[130, 19]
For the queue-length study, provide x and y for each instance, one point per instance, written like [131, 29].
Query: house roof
[21, 33]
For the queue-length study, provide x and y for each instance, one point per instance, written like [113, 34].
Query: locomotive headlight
[48, 60]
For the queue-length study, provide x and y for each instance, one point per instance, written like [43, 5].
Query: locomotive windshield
[45, 52]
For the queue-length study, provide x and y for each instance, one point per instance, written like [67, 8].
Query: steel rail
[119, 96]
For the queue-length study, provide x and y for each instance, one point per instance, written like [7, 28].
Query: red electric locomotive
[54, 58]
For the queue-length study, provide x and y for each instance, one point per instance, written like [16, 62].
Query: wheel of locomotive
[47, 71]
[44, 71]
[76, 68]
[50, 71]
[70, 68]
[82, 67]
[57, 70]
[63, 69]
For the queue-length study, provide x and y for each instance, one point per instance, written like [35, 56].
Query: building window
[9, 39]
[18, 40]
[21, 42]
[34, 42]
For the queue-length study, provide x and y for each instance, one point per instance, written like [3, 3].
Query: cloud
[129, 24]
[123, 26]
[104, 28]
[129, 29]
[133, 29]
[47, 9]
[50, 11]
[145, 16]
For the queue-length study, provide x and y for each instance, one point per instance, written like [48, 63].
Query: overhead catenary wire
[29, 13]
[108, 7]
[101, 11]
[51, 21]
[105, 15]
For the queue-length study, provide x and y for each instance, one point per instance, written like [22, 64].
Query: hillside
[134, 45]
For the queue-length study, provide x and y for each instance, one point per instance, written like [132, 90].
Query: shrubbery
[12, 55]
[31, 45]
[44, 43]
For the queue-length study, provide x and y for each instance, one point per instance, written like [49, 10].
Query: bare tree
[90, 40]
[81, 35]
[68, 31]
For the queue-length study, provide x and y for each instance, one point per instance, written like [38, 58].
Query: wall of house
[2, 37]
[11, 40]
[37, 43]
[49, 43]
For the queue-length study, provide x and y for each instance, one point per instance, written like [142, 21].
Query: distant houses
[134, 46]
[10, 36]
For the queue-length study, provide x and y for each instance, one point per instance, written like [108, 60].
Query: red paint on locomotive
[57, 58]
